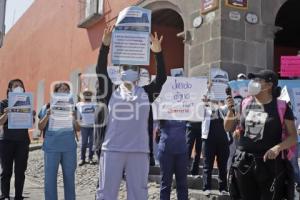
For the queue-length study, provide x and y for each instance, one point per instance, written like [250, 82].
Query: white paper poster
[20, 110]
[181, 99]
[284, 96]
[61, 117]
[219, 79]
[131, 37]
[296, 94]
[177, 72]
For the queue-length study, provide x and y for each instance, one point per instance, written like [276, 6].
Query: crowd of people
[250, 139]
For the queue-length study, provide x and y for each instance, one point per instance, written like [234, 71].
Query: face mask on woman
[130, 75]
[254, 88]
[18, 89]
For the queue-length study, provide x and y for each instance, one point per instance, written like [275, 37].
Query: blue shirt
[173, 137]
[57, 141]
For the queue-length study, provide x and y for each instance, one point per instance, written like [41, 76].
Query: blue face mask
[130, 75]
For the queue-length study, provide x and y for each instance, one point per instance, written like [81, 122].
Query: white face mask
[254, 88]
[130, 75]
[18, 89]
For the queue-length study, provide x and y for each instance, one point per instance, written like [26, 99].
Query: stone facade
[236, 46]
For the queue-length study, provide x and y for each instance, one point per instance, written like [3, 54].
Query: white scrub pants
[112, 165]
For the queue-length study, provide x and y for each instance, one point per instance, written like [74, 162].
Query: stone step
[194, 182]
[199, 195]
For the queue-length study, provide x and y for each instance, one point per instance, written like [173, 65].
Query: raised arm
[154, 88]
[105, 85]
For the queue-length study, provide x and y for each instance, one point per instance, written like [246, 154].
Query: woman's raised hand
[106, 38]
[156, 43]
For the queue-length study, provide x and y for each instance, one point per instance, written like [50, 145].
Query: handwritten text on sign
[290, 66]
[181, 99]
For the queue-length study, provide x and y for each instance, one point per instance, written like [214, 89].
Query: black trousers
[255, 179]
[15, 153]
[213, 148]
[194, 137]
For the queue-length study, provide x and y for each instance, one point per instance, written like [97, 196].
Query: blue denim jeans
[68, 163]
[87, 142]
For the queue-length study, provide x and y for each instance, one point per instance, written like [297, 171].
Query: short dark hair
[59, 85]
[11, 82]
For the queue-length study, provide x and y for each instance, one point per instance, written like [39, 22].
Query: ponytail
[276, 91]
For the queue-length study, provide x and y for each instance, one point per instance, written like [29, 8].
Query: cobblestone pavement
[86, 180]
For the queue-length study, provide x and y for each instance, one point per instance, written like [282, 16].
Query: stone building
[59, 40]
[227, 40]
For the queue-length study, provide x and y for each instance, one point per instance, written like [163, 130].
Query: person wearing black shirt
[260, 168]
[15, 145]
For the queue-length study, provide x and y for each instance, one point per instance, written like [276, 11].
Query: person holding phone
[266, 129]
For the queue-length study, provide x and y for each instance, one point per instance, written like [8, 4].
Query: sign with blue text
[20, 110]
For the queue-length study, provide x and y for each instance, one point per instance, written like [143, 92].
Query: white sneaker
[207, 192]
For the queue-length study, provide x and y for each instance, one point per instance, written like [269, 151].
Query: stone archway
[155, 5]
[287, 40]
[167, 20]
[270, 9]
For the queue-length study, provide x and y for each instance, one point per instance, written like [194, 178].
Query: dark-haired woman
[259, 169]
[15, 146]
[59, 148]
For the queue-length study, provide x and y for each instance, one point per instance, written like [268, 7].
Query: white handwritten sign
[181, 99]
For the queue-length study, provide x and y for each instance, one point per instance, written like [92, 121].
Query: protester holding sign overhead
[260, 169]
[57, 121]
[15, 146]
[126, 143]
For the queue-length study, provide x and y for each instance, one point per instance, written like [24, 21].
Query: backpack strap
[281, 107]
[245, 103]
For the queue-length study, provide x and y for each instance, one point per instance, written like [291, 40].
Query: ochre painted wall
[45, 44]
